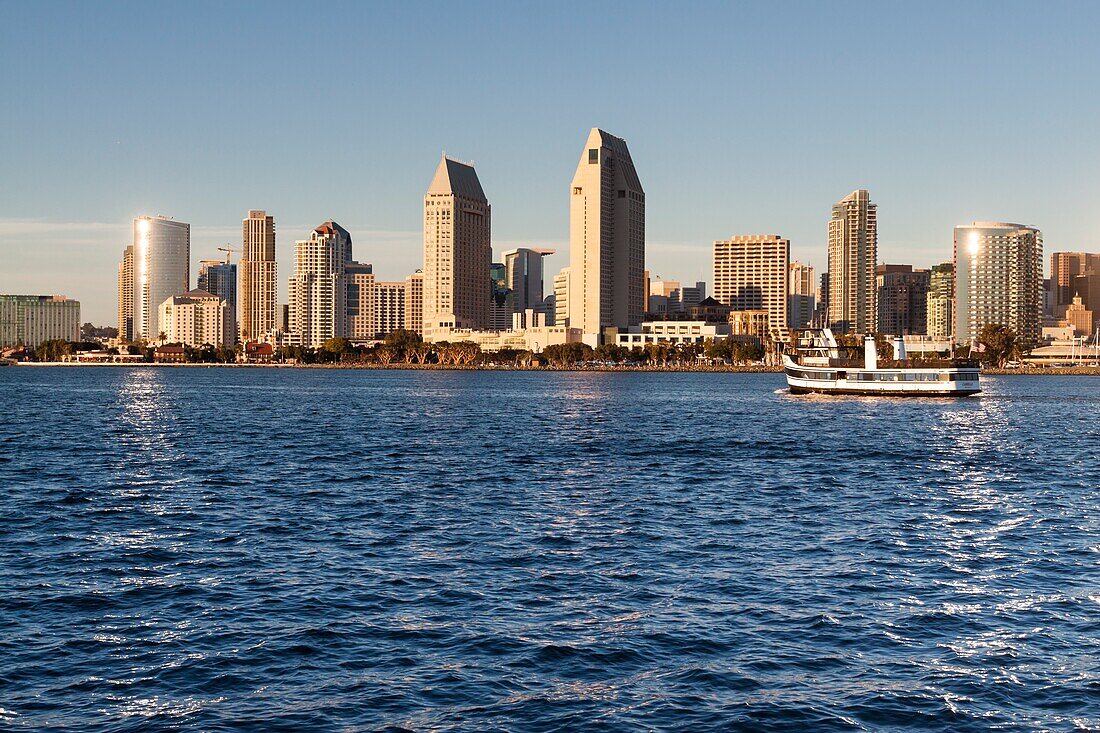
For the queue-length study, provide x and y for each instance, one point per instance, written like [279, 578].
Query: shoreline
[702, 369]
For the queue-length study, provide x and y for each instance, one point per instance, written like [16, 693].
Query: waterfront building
[606, 239]
[529, 332]
[561, 297]
[673, 332]
[756, 323]
[853, 249]
[220, 278]
[801, 299]
[998, 279]
[318, 293]
[360, 284]
[126, 295]
[524, 276]
[28, 320]
[389, 307]
[902, 299]
[939, 306]
[414, 302]
[162, 268]
[197, 318]
[751, 273]
[258, 276]
[457, 250]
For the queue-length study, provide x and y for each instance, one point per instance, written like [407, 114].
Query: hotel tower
[161, 269]
[258, 286]
[998, 279]
[457, 250]
[853, 250]
[606, 239]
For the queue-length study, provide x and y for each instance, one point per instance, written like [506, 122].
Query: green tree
[52, 350]
[999, 345]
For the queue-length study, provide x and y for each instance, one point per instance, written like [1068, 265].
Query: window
[622, 194]
[593, 155]
[577, 190]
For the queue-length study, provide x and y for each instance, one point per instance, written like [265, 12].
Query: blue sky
[741, 118]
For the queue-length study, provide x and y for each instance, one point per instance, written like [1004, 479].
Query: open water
[262, 549]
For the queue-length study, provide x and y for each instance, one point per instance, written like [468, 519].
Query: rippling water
[362, 550]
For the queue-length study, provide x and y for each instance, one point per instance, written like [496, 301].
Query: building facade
[220, 279]
[457, 250]
[197, 318]
[360, 283]
[162, 268]
[606, 238]
[389, 307]
[258, 276]
[318, 293]
[751, 273]
[561, 298]
[801, 299]
[524, 276]
[940, 305]
[28, 320]
[414, 302]
[126, 295]
[998, 279]
[853, 251]
[902, 299]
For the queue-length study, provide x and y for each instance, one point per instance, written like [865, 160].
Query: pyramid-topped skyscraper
[457, 250]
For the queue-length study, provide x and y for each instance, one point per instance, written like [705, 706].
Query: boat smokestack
[899, 348]
[870, 353]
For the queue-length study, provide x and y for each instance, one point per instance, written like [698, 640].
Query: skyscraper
[359, 283]
[259, 287]
[457, 250]
[801, 299]
[1071, 274]
[414, 302]
[941, 293]
[902, 299]
[561, 297]
[126, 295]
[524, 275]
[389, 306]
[751, 273]
[606, 238]
[318, 292]
[853, 251]
[162, 268]
[998, 279]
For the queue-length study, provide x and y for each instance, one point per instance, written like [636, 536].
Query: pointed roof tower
[456, 178]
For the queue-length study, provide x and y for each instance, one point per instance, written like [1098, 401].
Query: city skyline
[929, 170]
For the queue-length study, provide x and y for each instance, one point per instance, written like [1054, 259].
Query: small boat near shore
[817, 364]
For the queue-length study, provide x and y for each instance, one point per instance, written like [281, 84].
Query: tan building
[389, 307]
[606, 239]
[561, 297]
[757, 323]
[1079, 317]
[751, 273]
[457, 250]
[28, 320]
[941, 294]
[318, 292]
[1065, 269]
[197, 318]
[998, 279]
[802, 295]
[126, 295]
[258, 289]
[853, 251]
[414, 302]
[360, 286]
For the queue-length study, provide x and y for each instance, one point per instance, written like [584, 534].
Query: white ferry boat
[817, 364]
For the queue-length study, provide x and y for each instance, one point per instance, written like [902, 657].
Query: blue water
[215, 549]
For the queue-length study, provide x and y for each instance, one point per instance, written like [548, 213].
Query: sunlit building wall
[162, 268]
[998, 279]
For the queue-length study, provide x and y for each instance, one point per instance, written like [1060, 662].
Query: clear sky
[741, 118]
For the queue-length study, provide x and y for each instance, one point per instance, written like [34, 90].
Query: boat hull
[881, 392]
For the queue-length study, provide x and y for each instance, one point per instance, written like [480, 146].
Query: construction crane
[228, 251]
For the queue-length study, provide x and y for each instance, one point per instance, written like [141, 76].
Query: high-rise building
[902, 299]
[389, 306]
[258, 270]
[414, 302]
[561, 297]
[998, 279]
[28, 320]
[220, 278]
[606, 238]
[1079, 318]
[1074, 274]
[941, 294]
[457, 250]
[853, 250]
[162, 268]
[502, 302]
[126, 295]
[318, 293]
[197, 318]
[524, 276]
[801, 300]
[751, 273]
[359, 282]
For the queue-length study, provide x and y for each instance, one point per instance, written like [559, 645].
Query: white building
[197, 318]
[673, 332]
[998, 279]
[161, 269]
[318, 292]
